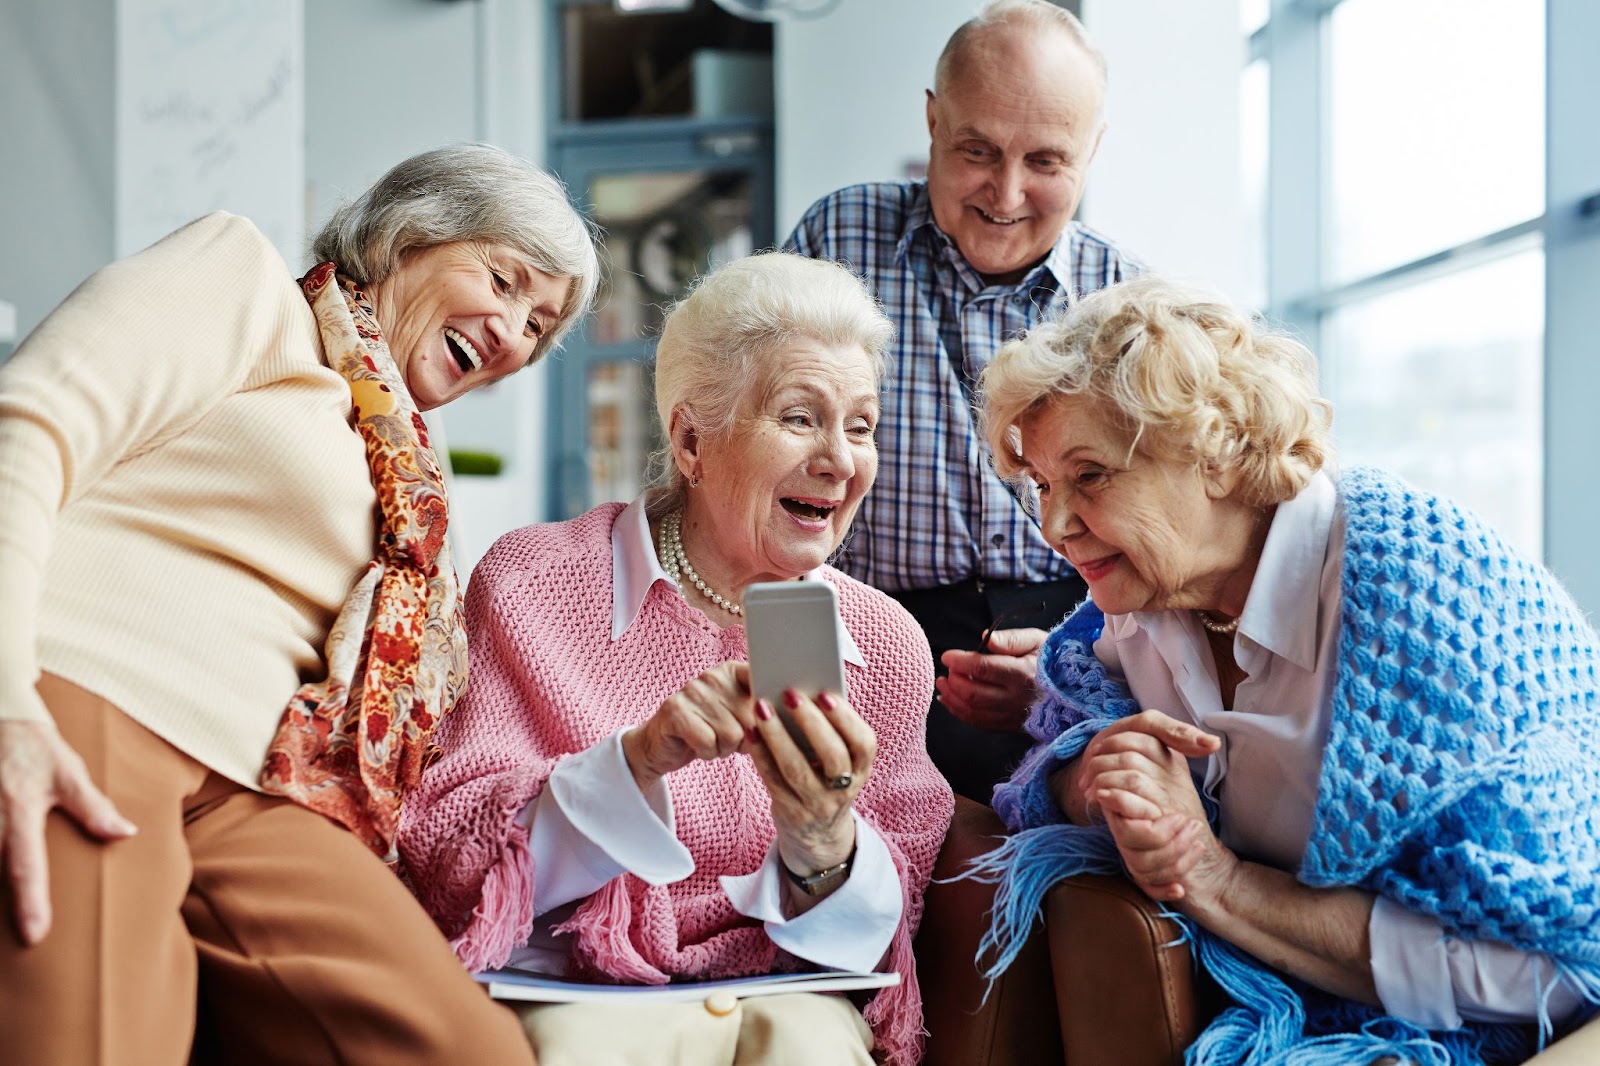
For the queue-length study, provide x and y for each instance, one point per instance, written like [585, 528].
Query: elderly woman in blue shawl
[1340, 728]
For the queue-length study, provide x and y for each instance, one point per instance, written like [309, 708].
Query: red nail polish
[763, 710]
[791, 699]
[826, 702]
[750, 732]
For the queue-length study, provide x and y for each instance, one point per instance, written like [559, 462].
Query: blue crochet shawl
[1461, 779]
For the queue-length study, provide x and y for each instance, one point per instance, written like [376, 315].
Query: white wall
[424, 74]
[209, 117]
[849, 95]
[106, 146]
[385, 79]
[310, 107]
[57, 137]
[1166, 184]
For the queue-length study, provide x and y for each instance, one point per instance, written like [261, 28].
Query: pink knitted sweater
[547, 681]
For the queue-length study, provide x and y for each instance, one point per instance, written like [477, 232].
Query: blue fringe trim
[1586, 979]
[1024, 868]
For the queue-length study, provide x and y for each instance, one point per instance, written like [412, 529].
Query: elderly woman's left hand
[1154, 812]
[811, 802]
[1171, 858]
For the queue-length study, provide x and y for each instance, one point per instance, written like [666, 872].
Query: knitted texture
[547, 681]
[184, 507]
[1458, 779]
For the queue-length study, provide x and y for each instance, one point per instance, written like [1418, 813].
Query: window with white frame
[1394, 155]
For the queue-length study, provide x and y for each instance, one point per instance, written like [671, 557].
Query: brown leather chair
[1016, 1023]
[1118, 990]
[1126, 994]
[1129, 993]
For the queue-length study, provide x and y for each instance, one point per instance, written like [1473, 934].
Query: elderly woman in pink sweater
[611, 803]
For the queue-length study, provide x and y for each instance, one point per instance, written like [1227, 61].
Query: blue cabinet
[673, 195]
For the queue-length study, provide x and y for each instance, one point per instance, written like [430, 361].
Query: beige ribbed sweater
[183, 503]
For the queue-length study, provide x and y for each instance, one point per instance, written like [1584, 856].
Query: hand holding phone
[793, 630]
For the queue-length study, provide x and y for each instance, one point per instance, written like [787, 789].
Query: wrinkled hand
[994, 691]
[39, 772]
[1135, 776]
[709, 717]
[1145, 757]
[815, 829]
[1172, 858]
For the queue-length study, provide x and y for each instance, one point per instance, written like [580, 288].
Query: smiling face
[463, 314]
[1012, 135]
[779, 489]
[1147, 534]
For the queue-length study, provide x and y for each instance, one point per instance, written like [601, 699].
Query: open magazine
[512, 984]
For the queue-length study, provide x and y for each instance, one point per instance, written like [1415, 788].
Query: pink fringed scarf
[350, 746]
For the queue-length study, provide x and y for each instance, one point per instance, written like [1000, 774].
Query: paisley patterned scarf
[350, 746]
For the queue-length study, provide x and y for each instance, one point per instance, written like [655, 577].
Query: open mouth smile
[810, 513]
[996, 220]
[463, 350]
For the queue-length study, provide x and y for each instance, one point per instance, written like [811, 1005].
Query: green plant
[465, 463]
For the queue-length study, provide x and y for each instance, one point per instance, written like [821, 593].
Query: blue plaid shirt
[939, 514]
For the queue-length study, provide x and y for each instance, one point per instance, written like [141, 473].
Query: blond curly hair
[1194, 378]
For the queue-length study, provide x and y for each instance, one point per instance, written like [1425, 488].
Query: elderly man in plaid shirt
[980, 252]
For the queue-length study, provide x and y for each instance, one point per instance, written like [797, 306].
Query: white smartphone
[793, 630]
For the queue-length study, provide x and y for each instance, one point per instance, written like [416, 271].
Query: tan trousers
[299, 943]
[799, 1029]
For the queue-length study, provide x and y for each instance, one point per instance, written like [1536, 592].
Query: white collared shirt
[1264, 778]
[591, 824]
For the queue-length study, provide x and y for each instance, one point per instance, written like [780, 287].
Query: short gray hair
[717, 341]
[466, 192]
[1194, 378]
[1037, 13]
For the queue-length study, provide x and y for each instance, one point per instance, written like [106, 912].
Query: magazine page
[510, 984]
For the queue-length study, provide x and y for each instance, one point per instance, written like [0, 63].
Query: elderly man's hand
[39, 772]
[993, 691]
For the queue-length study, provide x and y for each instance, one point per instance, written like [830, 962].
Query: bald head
[1013, 122]
[981, 42]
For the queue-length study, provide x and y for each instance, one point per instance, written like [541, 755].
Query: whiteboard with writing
[210, 116]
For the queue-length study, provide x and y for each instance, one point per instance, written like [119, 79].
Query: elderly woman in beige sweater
[230, 623]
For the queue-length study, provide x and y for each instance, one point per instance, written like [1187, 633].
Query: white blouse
[1264, 778]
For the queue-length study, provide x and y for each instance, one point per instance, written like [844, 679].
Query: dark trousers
[954, 617]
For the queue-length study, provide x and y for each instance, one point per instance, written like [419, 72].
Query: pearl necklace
[1223, 628]
[677, 566]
